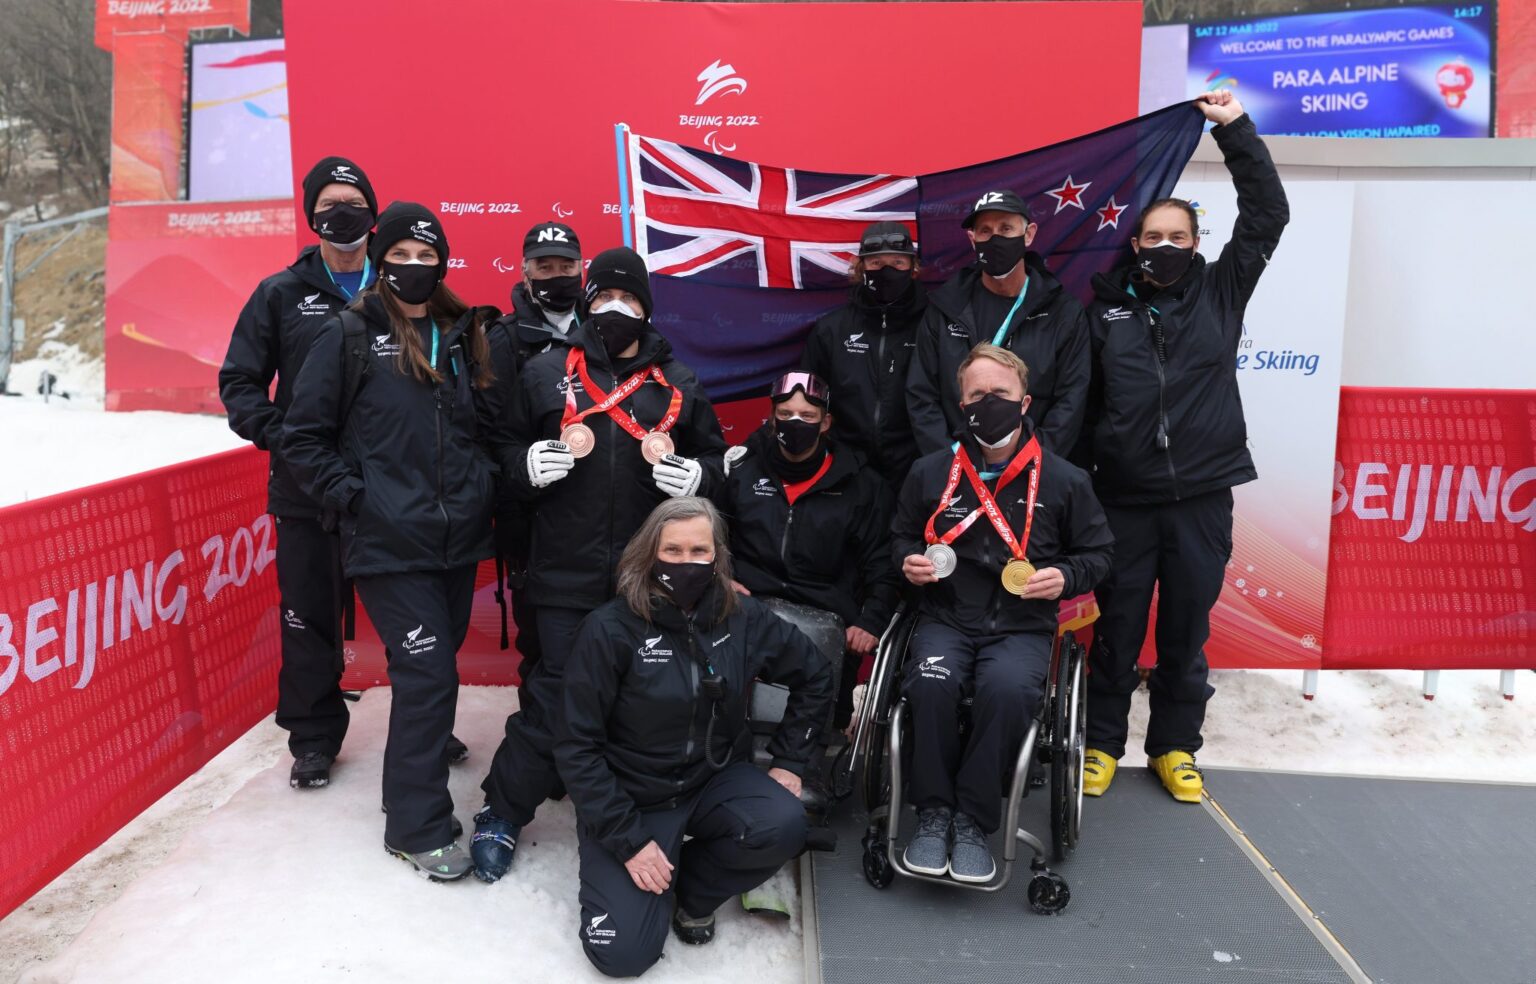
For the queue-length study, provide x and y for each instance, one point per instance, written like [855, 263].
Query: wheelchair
[1056, 742]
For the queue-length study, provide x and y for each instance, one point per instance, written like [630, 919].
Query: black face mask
[887, 285]
[556, 293]
[796, 436]
[618, 331]
[413, 283]
[685, 584]
[1000, 254]
[343, 225]
[1164, 264]
[992, 418]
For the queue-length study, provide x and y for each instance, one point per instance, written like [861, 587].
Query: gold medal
[1016, 575]
[579, 438]
[655, 446]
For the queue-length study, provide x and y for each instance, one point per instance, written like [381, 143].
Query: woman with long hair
[653, 742]
[387, 431]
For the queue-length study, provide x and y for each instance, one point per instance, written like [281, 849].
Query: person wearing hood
[544, 313]
[864, 351]
[604, 429]
[810, 522]
[1168, 444]
[272, 336]
[1010, 299]
[993, 534]
[653, 744]
[399, 446]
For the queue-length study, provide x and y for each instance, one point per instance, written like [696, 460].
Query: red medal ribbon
[576, 362]
[962, 463]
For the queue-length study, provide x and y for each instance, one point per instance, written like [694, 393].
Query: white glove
[548, 463]
[677, 476]
[733, 455]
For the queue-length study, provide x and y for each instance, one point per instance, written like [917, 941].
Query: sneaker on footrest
[970, 860]
[927, 852]
[1098, 772]
[492, 846]
[1180, 776]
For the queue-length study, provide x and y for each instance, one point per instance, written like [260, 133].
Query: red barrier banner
[1432, 562]
[178, 274]
[138, 638]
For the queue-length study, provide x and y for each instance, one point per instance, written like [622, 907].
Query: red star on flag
[1109, 215]
[1069, 194]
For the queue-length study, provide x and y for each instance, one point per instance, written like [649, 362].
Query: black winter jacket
[632, 735]
[1164, 431]
[409, 467]
[830, 550]
[1069, 532]
[514, 340]
[582, 522]
[272, 336]
[1050, 333]
[864, 352]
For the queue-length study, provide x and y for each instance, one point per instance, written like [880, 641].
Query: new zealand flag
[745, 257]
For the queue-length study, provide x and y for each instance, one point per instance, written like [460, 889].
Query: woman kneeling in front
[654, 745]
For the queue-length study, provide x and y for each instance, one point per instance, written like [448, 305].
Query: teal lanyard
[1132, 289]
[434, 343]
[1002, 332]
[360, 284]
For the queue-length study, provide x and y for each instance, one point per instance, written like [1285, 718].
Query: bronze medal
[655, 446]
[1016, 575]
[579, 438]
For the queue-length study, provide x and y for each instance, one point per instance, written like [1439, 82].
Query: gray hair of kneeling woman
[637, 578]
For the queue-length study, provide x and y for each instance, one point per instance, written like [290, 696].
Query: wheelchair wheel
[1048, 893]
[1068, 746]
[876, 778]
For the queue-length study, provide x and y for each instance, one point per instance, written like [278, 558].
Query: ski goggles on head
[806, 382]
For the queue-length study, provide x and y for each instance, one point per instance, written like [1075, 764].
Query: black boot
[311, 770]
[694, 932]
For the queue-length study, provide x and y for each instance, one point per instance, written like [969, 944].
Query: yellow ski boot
[1098, 770]
[1180, 776]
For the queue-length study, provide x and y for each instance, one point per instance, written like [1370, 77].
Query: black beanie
[407, 220]
[335, 170]
[623, 269]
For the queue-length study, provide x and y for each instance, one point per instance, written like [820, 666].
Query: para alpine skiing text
[102, 613]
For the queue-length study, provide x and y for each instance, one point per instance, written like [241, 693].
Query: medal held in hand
[943, 558]
[579, 438]
[654, 444]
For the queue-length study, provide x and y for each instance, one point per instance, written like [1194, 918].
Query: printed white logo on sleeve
[414, 643]
[764, 486]
[853, 345]
[383, 346]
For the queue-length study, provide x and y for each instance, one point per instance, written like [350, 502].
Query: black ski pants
[1181, 549]
[422, 617]
[743, 826]
[1004, 675]
[522, 774]
[309, 702]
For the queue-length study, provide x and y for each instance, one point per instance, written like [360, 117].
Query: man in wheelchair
[993, 533]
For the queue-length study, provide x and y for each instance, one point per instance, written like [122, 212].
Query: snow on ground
[280, 885]
[65, 444]
[233, 876]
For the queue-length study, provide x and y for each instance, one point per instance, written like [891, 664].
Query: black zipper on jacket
[1166, 442]
[879, 404]
[693, 703]
[437, 414]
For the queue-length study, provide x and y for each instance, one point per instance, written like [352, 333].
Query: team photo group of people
[967, 455]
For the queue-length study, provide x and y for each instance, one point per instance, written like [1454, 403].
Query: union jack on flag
[739, 223]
